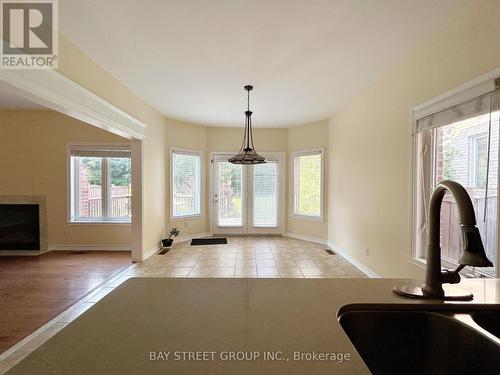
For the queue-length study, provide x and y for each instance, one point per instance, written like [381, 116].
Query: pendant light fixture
[247, 154]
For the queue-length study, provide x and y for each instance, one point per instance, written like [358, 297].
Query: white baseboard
[151, 251]
[189, 237]
[356, 263]
[72, 247]
[306, 238]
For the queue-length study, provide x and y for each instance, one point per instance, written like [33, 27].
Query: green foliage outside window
[120, 170]
[309, 185]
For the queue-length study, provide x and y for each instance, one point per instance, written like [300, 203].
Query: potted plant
[167, 242]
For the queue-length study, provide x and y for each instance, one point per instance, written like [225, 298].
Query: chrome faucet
[472, 247]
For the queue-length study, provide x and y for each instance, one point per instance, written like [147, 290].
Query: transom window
[308, 184]
[100, 179]
[185, 183]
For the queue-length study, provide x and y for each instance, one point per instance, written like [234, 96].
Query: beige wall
[33, 161]
[207, 140]
[370, 139]
[303, 138]
[77, 66]
[229, 139]
[161, 134]
[190, 137]
[213, 139]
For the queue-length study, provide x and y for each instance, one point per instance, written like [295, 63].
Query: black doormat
[208, 241]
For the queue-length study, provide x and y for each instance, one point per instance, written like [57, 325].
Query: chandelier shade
[247, 154]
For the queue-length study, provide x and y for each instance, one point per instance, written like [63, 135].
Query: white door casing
[245, 224]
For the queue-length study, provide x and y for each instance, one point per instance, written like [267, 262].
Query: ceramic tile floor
[247, 257]
[264, 257]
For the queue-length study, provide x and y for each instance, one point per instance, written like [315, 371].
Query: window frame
[473, 147]
[463, 93]
[191, 152]
[295, 182]
[73, 183]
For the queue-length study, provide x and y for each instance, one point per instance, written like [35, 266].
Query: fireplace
[22, 225]
[19, 227]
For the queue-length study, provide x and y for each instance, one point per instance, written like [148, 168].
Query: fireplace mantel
[41, 201]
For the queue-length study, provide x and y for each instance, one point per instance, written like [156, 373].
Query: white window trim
[296, 215]
[460, 94]
[70, 175]
[171, 184]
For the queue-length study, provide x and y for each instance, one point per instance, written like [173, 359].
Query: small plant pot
[167, 242]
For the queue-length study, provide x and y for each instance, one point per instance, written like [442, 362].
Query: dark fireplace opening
[19, 227]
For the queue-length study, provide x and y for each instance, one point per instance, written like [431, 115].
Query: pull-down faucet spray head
[472, 246]
[473, 249]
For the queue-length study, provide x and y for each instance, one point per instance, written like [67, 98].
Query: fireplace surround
[22, 232]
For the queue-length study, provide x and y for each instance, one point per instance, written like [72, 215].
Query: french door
[247, 199]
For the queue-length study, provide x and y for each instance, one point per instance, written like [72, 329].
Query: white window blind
[265, 204]
[471, 108]
[186, 184]
[459, 143]
[101, 151]
[308, 189]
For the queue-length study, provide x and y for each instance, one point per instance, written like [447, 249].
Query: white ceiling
[9, 100]
[190, 59]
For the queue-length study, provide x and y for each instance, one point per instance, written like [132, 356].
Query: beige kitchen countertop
[220, 316]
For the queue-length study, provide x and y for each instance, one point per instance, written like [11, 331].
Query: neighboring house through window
[460, 143]
[100, 184]
[478, 160]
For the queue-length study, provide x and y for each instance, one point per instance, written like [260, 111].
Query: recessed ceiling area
[306, 59]
[10, 100]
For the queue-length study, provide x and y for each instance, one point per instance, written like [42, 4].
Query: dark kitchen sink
[423, 342]
[488, 320]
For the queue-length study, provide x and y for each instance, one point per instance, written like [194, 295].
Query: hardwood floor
[33, 290]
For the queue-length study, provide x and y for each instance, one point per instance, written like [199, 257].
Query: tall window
[100, 188]
[308, 184]
[459, 143]
[186, 183]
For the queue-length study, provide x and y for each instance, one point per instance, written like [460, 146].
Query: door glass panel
[230, 194]
[265, 198]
